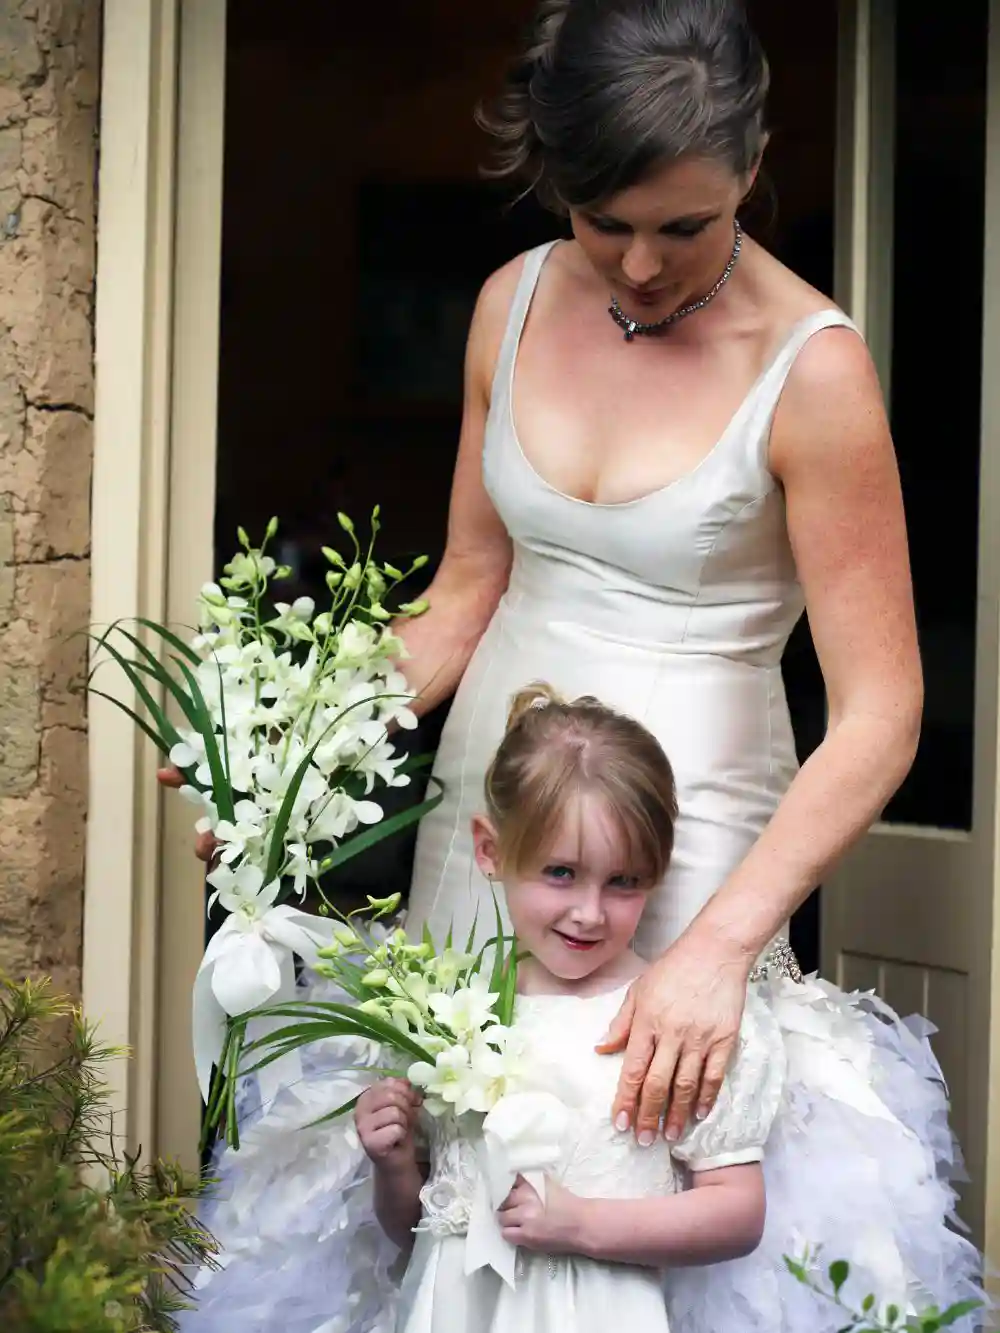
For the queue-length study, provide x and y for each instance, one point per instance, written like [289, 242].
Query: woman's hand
[386, 1120]
[205, 844]
[678, 1027]
[550, 1226]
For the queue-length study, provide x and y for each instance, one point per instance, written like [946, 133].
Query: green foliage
[90, 1241]
[869, 1319]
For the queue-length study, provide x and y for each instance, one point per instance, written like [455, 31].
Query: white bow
[250, 961]
[524, 1135]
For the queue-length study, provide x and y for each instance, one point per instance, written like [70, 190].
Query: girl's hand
[386, 1120]
[678, 1027]
[551, 1226]
[205, 844]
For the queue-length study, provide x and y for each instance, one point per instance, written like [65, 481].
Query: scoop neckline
[684, 477]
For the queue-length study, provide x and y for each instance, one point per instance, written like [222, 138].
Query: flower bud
[384, 905]
[375, 979]
[345, 523]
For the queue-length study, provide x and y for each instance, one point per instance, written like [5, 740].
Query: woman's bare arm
[832, 452]
[476, 565]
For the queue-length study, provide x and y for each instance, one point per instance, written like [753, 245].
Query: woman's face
[664, 242]
[577, 909]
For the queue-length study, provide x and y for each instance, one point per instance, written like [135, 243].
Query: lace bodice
[598, 1162]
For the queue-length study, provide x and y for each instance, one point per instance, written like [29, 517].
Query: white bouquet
[443, 1017]
[283, 736]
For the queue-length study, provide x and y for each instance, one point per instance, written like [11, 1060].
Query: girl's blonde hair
[555, 750]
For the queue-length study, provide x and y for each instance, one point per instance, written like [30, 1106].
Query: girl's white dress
[675, 608]
[563, 1292]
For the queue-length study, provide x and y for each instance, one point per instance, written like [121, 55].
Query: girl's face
[576, 910]
[664, 242]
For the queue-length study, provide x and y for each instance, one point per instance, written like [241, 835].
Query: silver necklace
[634, 326]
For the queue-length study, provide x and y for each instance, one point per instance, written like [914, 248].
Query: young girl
[581, 812]
[578, 830]
[831, 1105]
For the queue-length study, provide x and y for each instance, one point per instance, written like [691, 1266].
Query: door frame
[969, 870]
[156, 358]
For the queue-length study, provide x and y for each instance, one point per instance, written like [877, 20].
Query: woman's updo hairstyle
[554, 751]
[607, 90]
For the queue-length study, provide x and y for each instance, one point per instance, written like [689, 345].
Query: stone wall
[49, 59]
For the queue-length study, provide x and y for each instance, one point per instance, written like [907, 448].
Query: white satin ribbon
[523, 1135]
[249, 962]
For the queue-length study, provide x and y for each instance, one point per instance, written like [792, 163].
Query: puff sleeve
[736, 1129]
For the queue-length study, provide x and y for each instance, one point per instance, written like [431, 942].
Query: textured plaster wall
[49, 56]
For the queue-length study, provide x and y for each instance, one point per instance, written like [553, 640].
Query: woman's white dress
[676, 608]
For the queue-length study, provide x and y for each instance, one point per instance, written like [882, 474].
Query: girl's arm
[397, 1199]
[833, 455]
[720, 1217]
[386, 1120]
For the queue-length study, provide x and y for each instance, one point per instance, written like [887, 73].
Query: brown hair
[605, 91]
[553, 751]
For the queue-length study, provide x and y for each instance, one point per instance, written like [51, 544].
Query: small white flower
[243, 835]
[446, 1082]
[242, 890]
[468, 1010]
[449, 966]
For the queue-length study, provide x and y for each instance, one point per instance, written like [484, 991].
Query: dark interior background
[357, 231]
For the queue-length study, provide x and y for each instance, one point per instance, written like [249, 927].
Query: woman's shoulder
[492, 312]
[832, 359]
[780, 297]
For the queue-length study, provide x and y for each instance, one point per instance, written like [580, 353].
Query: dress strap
[519, 307]
[766, 394]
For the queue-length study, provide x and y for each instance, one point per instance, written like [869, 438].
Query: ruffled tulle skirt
[860, 1166]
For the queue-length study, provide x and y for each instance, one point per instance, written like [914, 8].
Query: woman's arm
[832, 452]
[720, 1217]
[476, 566]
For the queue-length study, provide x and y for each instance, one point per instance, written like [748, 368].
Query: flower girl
[538, 1215]
[579, 828]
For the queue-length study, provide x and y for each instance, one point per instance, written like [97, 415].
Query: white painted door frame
[157, 311]
[872, 927]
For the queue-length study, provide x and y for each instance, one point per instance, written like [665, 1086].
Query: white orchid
[446, 1083]
[467, 1010]
[244, 836]
[449, 966]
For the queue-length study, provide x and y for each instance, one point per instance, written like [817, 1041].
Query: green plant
[870, 1319]
[90, 1240]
